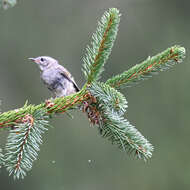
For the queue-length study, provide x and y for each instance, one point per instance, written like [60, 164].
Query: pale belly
[57, 83]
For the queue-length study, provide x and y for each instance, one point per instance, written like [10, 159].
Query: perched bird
[55, 76]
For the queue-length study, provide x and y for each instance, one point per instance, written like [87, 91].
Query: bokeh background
[73, 155]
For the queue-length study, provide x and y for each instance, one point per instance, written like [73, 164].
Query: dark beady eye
[42, 59]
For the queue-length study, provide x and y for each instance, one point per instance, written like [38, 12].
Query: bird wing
[67, 75]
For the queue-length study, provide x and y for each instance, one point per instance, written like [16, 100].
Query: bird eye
[42, 59]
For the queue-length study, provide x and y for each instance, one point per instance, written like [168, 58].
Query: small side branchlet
[23, 143]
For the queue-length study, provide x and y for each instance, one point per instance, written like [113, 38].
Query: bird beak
[33, 59]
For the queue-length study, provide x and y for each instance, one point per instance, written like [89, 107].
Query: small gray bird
[55, 76]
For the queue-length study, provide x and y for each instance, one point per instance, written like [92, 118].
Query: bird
[56, 77]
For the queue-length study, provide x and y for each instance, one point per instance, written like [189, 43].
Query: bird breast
[49, 76]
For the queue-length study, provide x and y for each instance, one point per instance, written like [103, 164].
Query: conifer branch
[149, 67]
[102, 43]
[103, 104]
[23, 143]
[5, 4]
[127, 137]
[52, 106]
[111, 106]
[109, 99]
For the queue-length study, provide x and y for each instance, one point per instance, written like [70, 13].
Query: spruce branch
[110, 106]
[119, 131]
[102, 43]
[149, 67]
[23, 143]
[108, 98]
[102, 102]
[52, 106]
[5, 4]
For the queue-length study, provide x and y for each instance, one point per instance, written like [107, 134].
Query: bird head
[44, 62]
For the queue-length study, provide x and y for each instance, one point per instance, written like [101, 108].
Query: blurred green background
[73, 155]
